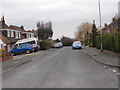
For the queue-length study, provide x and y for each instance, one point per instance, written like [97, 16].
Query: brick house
[112, 27]
[12, 34]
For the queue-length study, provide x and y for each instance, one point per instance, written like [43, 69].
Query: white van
[33, 41]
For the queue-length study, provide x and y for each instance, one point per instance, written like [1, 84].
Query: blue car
[27, 48]
[77, 45]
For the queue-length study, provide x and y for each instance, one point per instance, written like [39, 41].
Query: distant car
[61, 45]
[58, 45]
[77, 45]
[17, 49]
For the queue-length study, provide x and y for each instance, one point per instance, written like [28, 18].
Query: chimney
[113, 19]
[22, 27]
[105, 24]
[3, 22]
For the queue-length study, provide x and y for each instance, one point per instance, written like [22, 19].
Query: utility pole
[119, 16]
[100, 19]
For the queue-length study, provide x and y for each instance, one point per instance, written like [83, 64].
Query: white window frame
[19, 34]
[8, 33]
[12, 33]
[31, 34]
[16, 34]
[27, 35]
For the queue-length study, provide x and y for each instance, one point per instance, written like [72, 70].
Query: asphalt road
[61, 68]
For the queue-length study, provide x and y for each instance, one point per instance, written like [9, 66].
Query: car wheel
[12, 54]
[27, 51]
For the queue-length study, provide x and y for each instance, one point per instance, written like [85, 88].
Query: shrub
[109, 41]
[44, 45]
[87, 42]
[2, 51]
[65, 43]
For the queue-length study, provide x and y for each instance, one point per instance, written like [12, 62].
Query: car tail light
[31, 46]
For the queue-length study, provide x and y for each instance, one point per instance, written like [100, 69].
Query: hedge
[110, 42]
[69, 43]
[88, 42]
[1, 52]
[44, 45]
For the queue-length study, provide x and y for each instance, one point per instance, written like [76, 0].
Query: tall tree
[44, 30]
[94, 34]
[83, 31]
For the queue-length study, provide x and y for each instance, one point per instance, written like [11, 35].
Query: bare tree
[83, 31]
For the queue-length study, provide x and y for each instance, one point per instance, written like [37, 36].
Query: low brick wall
[5, 57]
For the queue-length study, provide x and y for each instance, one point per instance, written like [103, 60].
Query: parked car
[33, 41]
[58, 45]
[77, 45]
[61, 45]
[27, 48]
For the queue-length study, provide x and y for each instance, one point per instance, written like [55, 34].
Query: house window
[8, 33]
[32, 35]
[17, 34]
[27, 35]
[12, 33]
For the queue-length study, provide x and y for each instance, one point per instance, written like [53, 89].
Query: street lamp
[100, 24]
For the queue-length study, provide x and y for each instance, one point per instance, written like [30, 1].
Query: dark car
[27, 48]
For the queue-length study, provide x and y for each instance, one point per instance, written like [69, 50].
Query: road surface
[61, 68]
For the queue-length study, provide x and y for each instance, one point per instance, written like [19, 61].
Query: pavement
[21, 59]
[61, 68]
[107, 57]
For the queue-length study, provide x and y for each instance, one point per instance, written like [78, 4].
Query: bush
[65, 43]
[86, 42]
[44, 45]
[109, 41]
[1, 52]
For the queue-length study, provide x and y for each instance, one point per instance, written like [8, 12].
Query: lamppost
[100, 24]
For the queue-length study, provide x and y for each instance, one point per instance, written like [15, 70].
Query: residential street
[61, 68]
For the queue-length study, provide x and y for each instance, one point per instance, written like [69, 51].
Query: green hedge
[88, 42]
[69, 43]
[109, 41]
[44, 45]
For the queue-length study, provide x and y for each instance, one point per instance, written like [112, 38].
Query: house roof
[17, 28]
[3, 25]
[0, 24]
[34, 31]
[12, 40]
[4, 39]
[114, 24]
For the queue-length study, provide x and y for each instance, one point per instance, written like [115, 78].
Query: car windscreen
[31, 42]
[75, 43]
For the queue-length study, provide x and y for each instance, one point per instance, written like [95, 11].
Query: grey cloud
[66, 15]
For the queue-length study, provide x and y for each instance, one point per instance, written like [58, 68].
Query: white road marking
[104, 66]
[118, 73]
[109, 69]
[114, 71]
[17, 62]
[35, 58]
[8, 70]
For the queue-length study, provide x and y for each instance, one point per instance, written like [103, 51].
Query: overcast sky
[65, 15]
